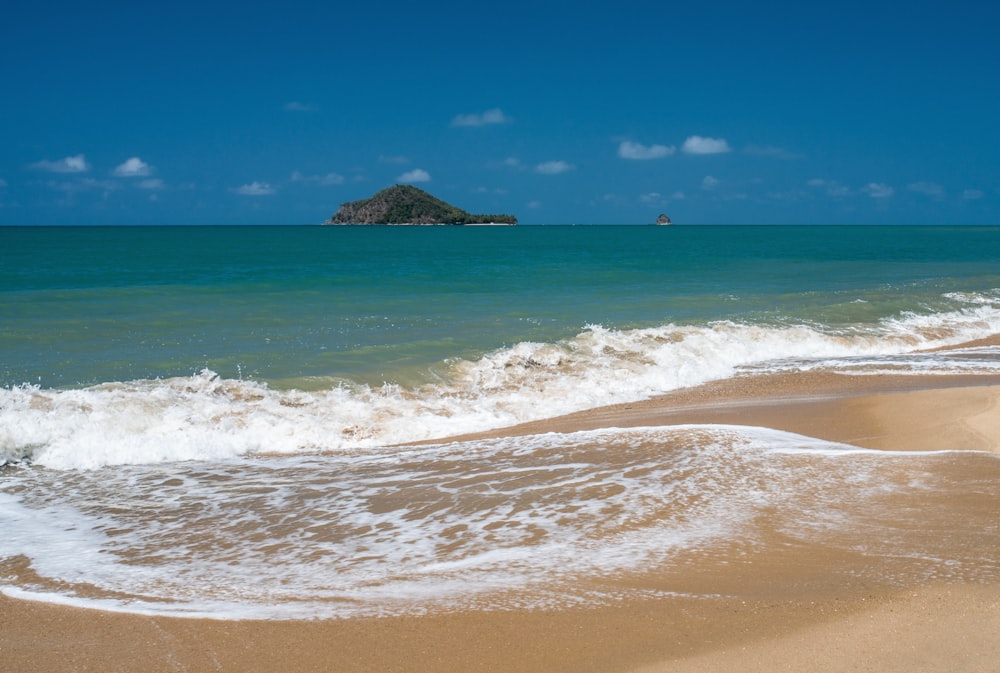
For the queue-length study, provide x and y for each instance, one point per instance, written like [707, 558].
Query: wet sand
[894, 413]
[820, 623]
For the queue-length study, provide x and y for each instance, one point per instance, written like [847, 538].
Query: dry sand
[829, 625]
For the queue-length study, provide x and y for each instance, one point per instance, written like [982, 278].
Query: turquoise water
[220, 421]
[82, 306]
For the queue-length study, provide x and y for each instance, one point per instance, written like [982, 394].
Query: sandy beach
[822, 623]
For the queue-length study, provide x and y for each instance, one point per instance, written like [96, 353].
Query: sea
[253, 422]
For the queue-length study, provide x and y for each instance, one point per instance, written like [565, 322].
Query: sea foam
[391, 531]
[542, 521]
[205, 417]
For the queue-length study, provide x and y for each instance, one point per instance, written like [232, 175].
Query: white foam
[66, 544]
[515, 521]
[203, 417]
[387, 532]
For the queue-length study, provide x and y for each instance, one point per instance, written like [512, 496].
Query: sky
[559, 113]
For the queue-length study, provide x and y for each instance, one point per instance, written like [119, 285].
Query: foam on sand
[550, 520]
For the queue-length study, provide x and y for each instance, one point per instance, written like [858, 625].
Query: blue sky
[557, 112]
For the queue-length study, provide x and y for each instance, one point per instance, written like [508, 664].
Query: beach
[781, 609]
[521, 449]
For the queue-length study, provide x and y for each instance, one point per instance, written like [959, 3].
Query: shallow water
[198, 420]
[539, 521]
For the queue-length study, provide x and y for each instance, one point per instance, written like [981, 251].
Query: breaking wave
[205, 417]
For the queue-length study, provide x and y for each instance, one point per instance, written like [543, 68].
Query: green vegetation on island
[405, 204]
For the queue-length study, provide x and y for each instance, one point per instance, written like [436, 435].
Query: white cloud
[709, 182]
[512, 162]
[134, 167]
[84, 185]
[296, 106]
[554, 167]
[331, 179]
[653, 198]
[492, 116]
[832, 187]
[75, 164]
[700, 145]
[416, 175]
[152, 183]
[631, 150]
[255, 189]
[931, 189]
[324, 180]
[972, 194]
[789, 195]
[878, 190]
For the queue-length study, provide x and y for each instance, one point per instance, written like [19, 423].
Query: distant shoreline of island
[406, 205]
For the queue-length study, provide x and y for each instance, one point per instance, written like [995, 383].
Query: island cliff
[405, 204]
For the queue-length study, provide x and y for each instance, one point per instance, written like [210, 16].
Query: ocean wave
[205, 417]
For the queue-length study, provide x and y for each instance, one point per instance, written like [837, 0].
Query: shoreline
[823, 624]
[875, 412]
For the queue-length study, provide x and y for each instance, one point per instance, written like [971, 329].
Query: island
[405, 204]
